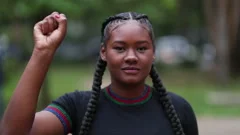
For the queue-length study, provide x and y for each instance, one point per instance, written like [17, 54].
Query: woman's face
[129, 53]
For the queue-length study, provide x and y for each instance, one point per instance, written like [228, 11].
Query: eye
[141, 49]
[119, 49]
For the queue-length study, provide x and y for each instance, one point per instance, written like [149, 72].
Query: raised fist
[50, 32]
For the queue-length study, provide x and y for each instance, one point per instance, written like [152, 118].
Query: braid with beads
[165, 101]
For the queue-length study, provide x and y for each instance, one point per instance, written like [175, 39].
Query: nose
[131, 57]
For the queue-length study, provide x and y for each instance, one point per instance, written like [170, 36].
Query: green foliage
[9, 68]
[167, 16]
[95, 10]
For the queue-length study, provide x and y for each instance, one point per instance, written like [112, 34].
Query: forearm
[19, 115]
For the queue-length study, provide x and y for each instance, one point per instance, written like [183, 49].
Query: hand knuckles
[64, 20]
[35, 26]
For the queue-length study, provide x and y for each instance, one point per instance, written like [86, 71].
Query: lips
[131, 70]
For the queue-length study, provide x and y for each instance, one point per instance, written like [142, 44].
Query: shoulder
[72, 99]
[186, 113]
[69, 108]
[182, 106]
[82, 93]
[76, 95]
[178, 100]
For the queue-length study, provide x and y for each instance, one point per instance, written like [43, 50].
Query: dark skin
[48, 34]
[129, 55]
[137, 52]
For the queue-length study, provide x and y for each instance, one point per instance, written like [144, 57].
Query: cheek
[114, 60]
[147, 62]
[148, 67]
[111, 56]
[148, 57]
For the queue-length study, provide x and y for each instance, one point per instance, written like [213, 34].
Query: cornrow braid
[166, 103]
[109, 20]
[107, 25]
[93, 102]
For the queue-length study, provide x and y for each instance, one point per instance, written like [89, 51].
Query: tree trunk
[222, 19]
[234, 34]
[222, 46]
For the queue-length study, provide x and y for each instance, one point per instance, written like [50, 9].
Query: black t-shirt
[114, 119]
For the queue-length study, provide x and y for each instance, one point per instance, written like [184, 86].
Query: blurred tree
[223, 19]
[190, 20]
[164, 14]
[168, 16]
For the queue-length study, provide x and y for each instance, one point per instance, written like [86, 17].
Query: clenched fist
[50, 32]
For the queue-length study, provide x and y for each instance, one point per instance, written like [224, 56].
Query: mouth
[131, 70]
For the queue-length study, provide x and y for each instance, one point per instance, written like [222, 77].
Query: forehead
[130, 30]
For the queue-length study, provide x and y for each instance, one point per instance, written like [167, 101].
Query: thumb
[37, 30]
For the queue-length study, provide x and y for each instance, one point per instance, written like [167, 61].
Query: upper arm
[61, 116]
[58, 118]
[46, 123]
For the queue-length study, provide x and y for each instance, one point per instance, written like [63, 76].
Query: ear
[103, 52]
[154, 57]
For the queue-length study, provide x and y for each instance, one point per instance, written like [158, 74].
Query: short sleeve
[186, 114]
[69, 108]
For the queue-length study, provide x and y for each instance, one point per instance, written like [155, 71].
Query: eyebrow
[142, 42]
[138, 42]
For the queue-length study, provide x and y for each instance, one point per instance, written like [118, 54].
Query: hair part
[119, 19]
[165, 101]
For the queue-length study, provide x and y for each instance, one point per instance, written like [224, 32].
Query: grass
[188, 83]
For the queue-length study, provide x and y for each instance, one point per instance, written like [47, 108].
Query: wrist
[43, 52]
[43, 55]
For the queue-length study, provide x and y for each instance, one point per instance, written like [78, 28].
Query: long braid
[166, 103]
[93, 102]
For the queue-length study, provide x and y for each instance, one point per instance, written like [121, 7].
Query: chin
[130, 81]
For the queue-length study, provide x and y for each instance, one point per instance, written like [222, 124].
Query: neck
[127, 91]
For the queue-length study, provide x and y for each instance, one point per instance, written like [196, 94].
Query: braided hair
[164, 99]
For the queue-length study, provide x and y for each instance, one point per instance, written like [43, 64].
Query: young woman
[127, 106]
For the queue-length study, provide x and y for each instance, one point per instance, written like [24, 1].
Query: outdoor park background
[197, 51]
